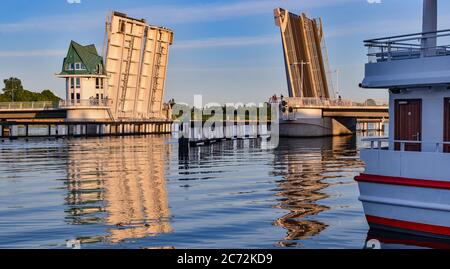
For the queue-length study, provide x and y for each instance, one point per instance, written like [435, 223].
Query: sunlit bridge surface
[141, 192]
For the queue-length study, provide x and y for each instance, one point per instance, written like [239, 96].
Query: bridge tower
[136, 63]
[303, 41]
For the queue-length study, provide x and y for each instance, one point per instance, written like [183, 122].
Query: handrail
[44, 105]
[325, 102]
[376, 143]
[85, 103]
[407, 46]
[405, 35]
[50, 105]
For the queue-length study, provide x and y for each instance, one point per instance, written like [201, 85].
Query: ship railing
[384, 143]
[37, 105]
[85, 103]
[409, 46]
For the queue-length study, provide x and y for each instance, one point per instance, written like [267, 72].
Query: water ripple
[141, 192]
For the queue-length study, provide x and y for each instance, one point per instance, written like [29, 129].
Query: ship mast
[429, 27]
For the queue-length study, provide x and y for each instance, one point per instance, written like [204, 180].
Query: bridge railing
[327, 103]
[40, 105]
[50, 105]
[85, 103]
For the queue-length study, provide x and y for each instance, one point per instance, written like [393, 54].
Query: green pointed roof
[86, 55]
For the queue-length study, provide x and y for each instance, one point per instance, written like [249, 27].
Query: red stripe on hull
[411, 182]
[412, 226]
[417, 243]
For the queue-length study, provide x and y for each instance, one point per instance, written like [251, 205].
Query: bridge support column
[343, 126]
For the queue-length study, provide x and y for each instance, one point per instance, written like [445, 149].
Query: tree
[47, 95]
[14, 92]
[13, 86]
[371, 102]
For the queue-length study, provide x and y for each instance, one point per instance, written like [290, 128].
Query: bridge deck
[356, 112]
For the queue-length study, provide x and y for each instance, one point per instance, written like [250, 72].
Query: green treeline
[14, 92]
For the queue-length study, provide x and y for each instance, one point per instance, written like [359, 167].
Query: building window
[122, 26]
[99, 69]
[75, 66]
[99, 83]
[78, 83]
[78, 97]
[72, 96]
[72, 83]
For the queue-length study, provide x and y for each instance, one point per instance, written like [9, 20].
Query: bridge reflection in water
[120, 183]
[308, 167]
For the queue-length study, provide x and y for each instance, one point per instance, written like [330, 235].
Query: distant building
[84, 73]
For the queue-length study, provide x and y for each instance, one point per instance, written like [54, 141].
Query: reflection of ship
[121, 184]
[391, 240]
[305, 180]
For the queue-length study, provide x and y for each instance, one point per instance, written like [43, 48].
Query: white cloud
[32, 53]
[52, 23]
[218, 12]
[226, 42]
[164, 14]
[385, 27]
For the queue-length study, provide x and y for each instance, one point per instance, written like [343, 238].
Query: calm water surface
[141, 192]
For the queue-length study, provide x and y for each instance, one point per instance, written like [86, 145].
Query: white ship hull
[413, 206]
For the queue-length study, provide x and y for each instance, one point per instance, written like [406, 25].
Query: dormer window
[75, 66]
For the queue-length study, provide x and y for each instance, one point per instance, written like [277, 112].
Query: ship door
[408, 123]
[447, 123]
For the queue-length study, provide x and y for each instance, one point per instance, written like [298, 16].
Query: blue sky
[229, 51]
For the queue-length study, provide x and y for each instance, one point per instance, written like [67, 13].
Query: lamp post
[337, 83]
[12, 93]
[302, 63]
